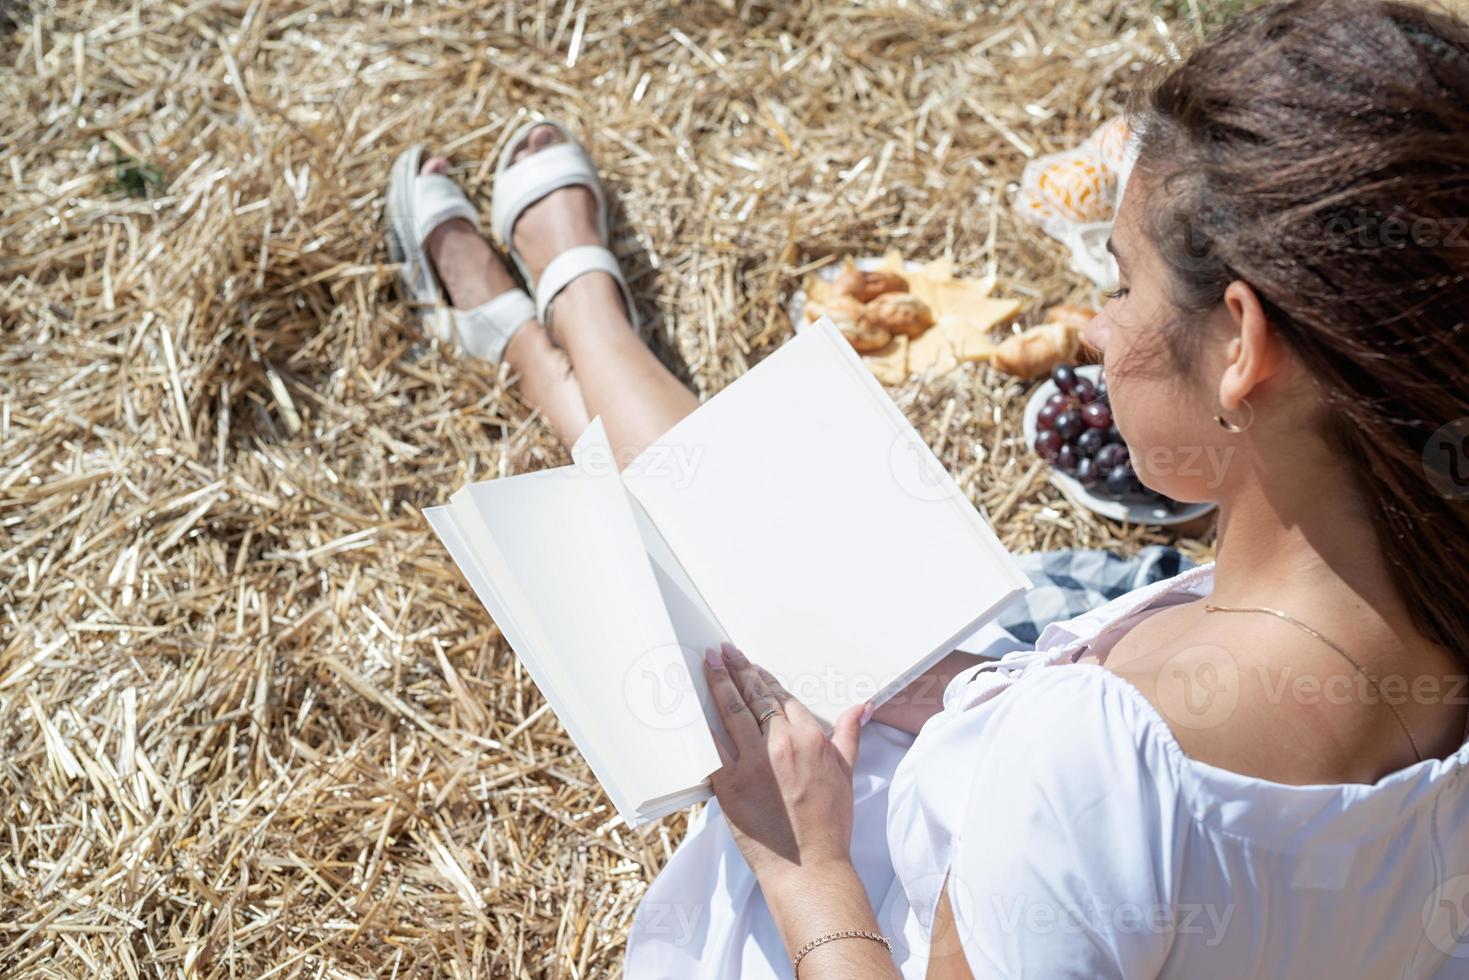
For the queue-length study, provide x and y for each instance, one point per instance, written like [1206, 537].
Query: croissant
[1071, 315]
[842, 309]
[898, 313]
[848, 315]
[1037, 350]
[865, 339]
[867, 286]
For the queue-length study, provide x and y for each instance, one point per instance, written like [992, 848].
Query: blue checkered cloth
[1069, 583]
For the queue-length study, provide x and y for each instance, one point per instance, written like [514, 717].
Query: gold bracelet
[845, 934]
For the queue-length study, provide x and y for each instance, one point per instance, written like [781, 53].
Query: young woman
[1253, 768]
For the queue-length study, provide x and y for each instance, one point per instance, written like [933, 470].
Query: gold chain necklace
[1210, 607]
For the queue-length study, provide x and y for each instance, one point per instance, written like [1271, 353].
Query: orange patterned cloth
[1078, 186]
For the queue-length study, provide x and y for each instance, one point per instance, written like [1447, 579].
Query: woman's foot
[472, 274]
[468, 267]
[559, 221]
[620, 379]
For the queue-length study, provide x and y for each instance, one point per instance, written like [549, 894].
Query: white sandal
[417, 204]
[520, 184]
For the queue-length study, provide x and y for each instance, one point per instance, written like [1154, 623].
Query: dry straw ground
[252, 723]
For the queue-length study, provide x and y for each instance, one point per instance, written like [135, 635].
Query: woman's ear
[1252, 354]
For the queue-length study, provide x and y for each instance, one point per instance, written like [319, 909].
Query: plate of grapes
[1068, 422]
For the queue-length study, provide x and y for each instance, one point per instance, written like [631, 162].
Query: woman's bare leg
[620, 379]
[547, 381]
[637, 397]
[473, 274]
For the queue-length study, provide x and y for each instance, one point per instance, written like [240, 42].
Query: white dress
[1078, 841]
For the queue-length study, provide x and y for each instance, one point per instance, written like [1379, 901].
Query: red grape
[1084, 391]
[1048, 443]
[1046, 419]
[1111, 456]
[1090, 442]
[1120, 480]
[1067, 458]
[1063, 376]
[1069, 423]
[1097, 415]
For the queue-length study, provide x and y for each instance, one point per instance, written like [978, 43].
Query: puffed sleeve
[1061, 867]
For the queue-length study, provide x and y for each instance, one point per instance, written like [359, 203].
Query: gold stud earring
[1233, 427]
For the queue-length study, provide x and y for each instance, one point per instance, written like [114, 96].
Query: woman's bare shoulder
[1262, 699]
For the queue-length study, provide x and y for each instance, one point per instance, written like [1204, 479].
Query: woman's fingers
[747, 692]
[733, 710]
[758, 693]
[726, 756]
[796, 712]
[847, 732]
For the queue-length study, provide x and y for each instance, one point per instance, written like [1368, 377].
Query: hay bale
[252, 723]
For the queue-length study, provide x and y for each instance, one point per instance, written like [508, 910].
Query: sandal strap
[485, 330]
[534, 176]
[571, 265]
[437, 199]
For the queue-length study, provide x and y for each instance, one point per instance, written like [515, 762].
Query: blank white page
[561, 552]
[566, 702]
[820, 529]
[694, 625]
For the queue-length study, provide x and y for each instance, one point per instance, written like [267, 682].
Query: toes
[543, 136]
[435, 165]
[538, 138]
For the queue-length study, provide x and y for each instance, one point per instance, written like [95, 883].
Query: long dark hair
[1319, 151]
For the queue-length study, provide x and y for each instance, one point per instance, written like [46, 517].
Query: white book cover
[796, 514]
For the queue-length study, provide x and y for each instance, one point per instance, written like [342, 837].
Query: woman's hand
[787, 790]
[910, 708]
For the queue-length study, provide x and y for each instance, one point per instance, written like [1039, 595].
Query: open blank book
[796, 514]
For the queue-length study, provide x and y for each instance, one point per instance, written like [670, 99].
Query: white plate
[1135, 510]
[829, 272]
